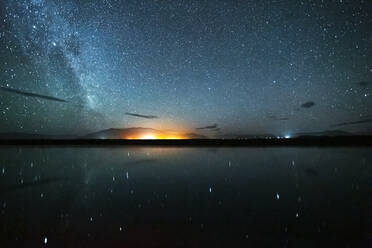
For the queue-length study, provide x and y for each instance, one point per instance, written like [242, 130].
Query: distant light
[45, 240]
[287, 136]
[277, 196]
[148, 137]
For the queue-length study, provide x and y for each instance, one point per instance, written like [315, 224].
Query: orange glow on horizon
[154, 136]
[148, 137]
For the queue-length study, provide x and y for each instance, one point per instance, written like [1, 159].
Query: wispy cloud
[365, 116]
[275, 118]
[352, 123]
[30, 94]
[30, 184]
[143, 116]
[214, 126]
[364, 83]
[308, 104]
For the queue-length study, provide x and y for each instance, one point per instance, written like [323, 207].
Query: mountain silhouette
[136, 132]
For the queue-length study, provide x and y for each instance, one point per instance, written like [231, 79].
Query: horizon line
[314, 141]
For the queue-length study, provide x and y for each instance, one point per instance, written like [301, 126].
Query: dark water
[185, 197]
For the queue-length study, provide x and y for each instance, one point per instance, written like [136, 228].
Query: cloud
[364, 83]
[217, 129]
[352, 123]
[275, 118]
[365, 116]
[214, 126]
[143, 116]
[308, 104]
[30, 94]
[31, 184]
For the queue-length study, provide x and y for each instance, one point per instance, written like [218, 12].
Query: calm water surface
[185, 197]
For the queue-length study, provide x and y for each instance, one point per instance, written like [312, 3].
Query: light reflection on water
[159, 197]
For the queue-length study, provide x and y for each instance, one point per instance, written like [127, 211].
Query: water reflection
[160, 197]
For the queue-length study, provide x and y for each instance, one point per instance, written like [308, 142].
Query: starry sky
[211, 67]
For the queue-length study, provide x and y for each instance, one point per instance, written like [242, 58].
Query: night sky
[211, 67]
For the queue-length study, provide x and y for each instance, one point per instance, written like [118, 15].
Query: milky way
[192, 63]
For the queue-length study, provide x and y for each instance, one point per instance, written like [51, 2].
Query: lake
[185, 197]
